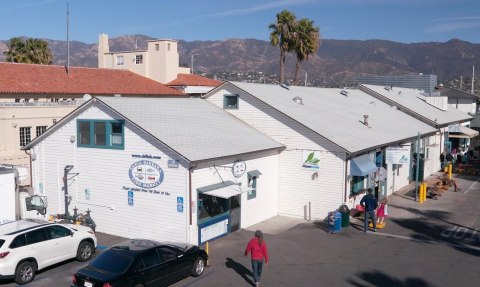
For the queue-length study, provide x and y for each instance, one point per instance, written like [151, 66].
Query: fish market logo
[146, 174]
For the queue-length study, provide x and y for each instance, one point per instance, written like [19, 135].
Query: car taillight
[74, 279]
[4, 254]
[106, 285]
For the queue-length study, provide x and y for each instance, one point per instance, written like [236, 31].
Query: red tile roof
[193, 80]
[17, 78]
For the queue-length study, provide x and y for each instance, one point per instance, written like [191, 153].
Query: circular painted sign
[146, 174]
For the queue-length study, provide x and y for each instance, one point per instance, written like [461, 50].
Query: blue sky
[407, 21]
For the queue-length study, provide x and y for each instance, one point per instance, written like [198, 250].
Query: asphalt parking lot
[436, 243]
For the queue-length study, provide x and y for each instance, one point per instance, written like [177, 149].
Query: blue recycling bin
[337, 222]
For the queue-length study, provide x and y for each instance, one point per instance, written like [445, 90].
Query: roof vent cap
[388, 88]
[298, 100]
[343, 92]
[285, 86]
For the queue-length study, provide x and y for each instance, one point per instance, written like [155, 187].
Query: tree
[281, 35]
[29, 51]
[306, 40]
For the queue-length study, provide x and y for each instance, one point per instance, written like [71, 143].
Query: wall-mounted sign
[146, 174]
[397, 155]
[311, 160]
[180, 204]
[87, 194]
[130, 198]
[173, 163]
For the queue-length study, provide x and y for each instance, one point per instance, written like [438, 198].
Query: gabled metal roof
[339, 116]
[192, 127]
[412, 101]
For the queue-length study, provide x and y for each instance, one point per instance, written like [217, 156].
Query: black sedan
[141, 262]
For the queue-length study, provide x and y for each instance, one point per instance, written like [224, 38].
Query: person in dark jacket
[258, 248]
[369, 203]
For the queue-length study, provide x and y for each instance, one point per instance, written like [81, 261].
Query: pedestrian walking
[369, 203]
[258, 249]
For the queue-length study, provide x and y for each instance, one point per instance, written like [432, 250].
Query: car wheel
[25, 272]
[85, 251]
[198, 267]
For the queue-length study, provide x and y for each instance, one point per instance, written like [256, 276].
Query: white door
[39, 247]
[62, 242]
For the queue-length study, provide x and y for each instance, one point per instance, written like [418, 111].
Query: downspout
[346, 181]
[29, 166]
[190, 194]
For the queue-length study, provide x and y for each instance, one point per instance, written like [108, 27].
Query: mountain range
[336, 63]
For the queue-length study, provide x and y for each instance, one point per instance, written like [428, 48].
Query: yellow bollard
[450, 171]
[206, 250]
[420, 193]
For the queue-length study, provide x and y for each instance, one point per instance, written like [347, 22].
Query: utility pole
[191, 65]
[473, 77]
[68, 40]
[417, 166]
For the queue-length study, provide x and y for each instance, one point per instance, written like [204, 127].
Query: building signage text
[145, 174]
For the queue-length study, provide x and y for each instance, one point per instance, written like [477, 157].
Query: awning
[458, 131]
[225, 189]
[253, 173]
[362, 165]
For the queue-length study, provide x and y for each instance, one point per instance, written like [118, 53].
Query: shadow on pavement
[240, 269]
[380, 279]
[426, 230]
[432, 214]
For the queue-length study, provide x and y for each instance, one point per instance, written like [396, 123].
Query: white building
[432, 109]
[336, 142]
[175, 169]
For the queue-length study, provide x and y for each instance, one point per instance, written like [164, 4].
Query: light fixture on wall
[14, 125]
[72, 139]
[54, 121]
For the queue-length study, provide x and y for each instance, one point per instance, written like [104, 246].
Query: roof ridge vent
[343, 92]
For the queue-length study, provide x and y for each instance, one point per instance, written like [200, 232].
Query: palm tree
[281, 35]
[30, 51]
[306, 40]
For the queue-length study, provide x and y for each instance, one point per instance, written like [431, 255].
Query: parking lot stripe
[427, 241]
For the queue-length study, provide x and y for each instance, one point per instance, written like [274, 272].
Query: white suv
[28, 246]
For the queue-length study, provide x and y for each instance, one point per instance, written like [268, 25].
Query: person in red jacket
[258, 248]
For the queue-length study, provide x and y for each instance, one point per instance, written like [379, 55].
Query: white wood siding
[296, 186]
[253, 211]
[104, 173]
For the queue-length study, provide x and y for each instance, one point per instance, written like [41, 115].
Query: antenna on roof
[136, 44]
[473, 77]
[68, 41]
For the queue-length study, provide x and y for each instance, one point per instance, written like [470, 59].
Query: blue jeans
[370, 214]
[257, 270]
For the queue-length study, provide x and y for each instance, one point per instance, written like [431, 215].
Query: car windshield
[112, 262]
[1, 242]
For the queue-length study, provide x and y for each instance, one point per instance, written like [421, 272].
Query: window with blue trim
[252, 185]
[230, 101]
[356, 184]
[100, 134]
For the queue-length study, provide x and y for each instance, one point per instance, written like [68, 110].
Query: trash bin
[337, 224]
[345, 215]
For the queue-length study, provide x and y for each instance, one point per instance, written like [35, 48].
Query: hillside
[336, 63]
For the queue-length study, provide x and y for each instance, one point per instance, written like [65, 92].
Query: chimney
[365, 120]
